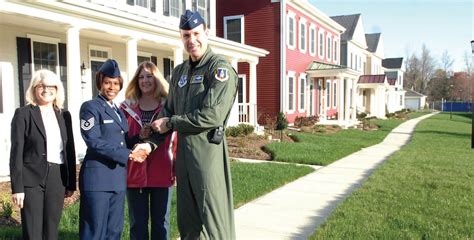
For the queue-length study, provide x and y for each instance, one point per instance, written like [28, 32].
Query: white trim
[291, 74]
[301, 78]
[291, 15]
[242, 26]
[302, 28]
[144, 54]
[47, 40]
[335, 50]
[312, 28]
[99, 48]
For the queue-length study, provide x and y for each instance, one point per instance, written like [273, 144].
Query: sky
[408, 24]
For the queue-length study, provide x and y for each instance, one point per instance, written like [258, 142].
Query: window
[291, 91]
[334, 97]
[173, 8]
[328, 94]
[146, 4]
[302, 96]
[321, 44]
[399, 80]
[335, 50]
[233, 28]
[291, 30]
[143, 56]
[45, 56]
[168, 65]
[328, 47]
[303, 34]
[351, 66]
[312, 40]
[202, 6]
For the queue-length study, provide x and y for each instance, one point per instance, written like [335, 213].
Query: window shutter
[166, 7]
[167, 69]
[153, 6]
[23, 46]
[131, 2]
[154, 60]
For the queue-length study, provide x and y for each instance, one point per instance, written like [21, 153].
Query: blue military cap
[110, 68]
[190, 20]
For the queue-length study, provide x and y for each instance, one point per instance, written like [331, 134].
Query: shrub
[282, 122]
[7, 206]
[306, 121]
[239, 130]
[361, 115]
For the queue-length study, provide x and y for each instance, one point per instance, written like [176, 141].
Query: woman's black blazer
[28, 162]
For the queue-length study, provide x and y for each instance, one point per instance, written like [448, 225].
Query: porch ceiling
[319, 69]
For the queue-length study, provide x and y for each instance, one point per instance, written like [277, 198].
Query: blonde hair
[133, 92]
[39, 77]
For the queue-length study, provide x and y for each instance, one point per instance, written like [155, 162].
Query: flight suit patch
[87, 124]
[182, 81]
[197, 79]
[222, 74]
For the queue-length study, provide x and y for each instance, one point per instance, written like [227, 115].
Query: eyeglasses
[41, 87]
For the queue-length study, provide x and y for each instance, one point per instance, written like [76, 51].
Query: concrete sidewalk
[295, 210]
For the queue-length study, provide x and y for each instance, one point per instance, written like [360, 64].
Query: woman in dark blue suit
[102, 179]
[42, 157]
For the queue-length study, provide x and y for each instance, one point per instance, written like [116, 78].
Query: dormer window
[146, 4]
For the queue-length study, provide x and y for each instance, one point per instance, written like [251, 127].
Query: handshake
[140, 152]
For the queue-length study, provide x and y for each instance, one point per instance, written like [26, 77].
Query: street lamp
[472, 97]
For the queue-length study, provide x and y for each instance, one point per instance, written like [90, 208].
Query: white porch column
[325, 99]
[347, 101]
[380, 99]
[8, 108]
[253, 93]
[132, 54]
[339, 100]
[178, 56]
[74, 97]
[354, 100]
[234, 112]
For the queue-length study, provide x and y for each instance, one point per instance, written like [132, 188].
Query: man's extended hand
[140, 152]
[159, 125]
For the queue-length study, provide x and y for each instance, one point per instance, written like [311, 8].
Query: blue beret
[190, 20]
[110, 68]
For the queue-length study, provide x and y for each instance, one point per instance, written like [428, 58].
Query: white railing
[244, 112]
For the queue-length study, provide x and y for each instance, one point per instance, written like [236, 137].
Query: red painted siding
[262, 29]
[298, 61]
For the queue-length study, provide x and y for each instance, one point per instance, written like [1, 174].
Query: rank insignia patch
[197, 79]
[182, 81]
[86, 125]
[222, 74]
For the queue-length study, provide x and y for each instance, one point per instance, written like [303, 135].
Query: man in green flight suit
[202, 92]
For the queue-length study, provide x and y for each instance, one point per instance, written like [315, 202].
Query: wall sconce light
[83, 69]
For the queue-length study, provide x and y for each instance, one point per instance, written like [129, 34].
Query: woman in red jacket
[149, 184]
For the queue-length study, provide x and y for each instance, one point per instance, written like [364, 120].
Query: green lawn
[323, 149]
[250, 181]
[424, 191]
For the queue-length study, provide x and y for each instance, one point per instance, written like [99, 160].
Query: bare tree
[468, 62]
[446, 61]
[412, 73]
[427, 64]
